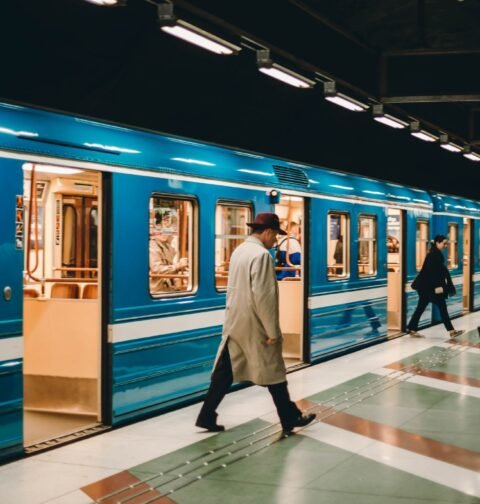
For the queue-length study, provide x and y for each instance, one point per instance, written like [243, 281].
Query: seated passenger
[338, 256]
[163, 261]
[289, 245]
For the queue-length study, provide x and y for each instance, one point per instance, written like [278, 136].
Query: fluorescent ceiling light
[170, 24]
[54, 170]
[420, 133]
[424, 135]
[341, 99]
[281, 73]
[391, 121]
[347, 103]
[450, 146]
[285, 75]
[200, 38]
[473, 156]
[387, 119]
[106, 2]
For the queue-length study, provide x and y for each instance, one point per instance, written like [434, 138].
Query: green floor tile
[366, 477]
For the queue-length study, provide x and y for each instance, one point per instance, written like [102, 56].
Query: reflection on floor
[40, 426]
[396, 422]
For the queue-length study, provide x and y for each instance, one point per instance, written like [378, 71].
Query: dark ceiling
[420, 57]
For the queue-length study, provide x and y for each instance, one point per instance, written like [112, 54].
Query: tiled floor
[398, 422]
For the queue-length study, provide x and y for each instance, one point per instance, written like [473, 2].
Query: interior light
[387, 119]
[193, 161]
[53, 170]
[170, 24]
[341, 99]
[266, 66]
[473, 156]
[420, 133]
[445, 144]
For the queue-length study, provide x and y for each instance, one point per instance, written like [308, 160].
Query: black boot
[209, 423]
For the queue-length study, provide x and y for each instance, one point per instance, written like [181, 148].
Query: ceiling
[419, 57]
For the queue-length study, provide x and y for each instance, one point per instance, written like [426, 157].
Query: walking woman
[433, 285]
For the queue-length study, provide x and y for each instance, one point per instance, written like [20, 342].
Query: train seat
[30, 293]
[90, 291]
[65, 290]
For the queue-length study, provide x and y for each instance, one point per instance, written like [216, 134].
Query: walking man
[251, 347]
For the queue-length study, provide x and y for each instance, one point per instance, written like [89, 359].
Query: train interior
[290, 210]
[62, 306]
[394, 271]
[467, 273]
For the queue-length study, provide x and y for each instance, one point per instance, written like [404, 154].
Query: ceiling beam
[431, 98]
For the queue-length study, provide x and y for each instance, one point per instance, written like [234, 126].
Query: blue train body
[158, 352]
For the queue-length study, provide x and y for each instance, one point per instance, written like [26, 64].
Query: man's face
[271, 238]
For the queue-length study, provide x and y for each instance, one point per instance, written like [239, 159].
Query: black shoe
[301, 421]
[210, 424]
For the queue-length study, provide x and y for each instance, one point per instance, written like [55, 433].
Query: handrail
[75, 269]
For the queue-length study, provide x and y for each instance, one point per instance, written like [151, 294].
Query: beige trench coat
[252, 317]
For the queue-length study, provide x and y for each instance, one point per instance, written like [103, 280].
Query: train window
[230, 231]
[367, 246]
[421, 243]
[452, 247]
[338, 245]
[171, 245]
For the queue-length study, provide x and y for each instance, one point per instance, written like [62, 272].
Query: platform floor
[397, 422]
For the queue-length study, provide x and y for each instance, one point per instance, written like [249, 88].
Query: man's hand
[270, 341]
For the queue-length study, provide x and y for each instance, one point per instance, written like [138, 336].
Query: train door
[62, 305]
[11, 266]
[467, 272]
[395, 222]
[289, 258]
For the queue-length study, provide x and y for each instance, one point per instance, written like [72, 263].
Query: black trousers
[222, 379]
[422, 304]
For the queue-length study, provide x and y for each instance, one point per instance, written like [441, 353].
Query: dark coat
[434, 274]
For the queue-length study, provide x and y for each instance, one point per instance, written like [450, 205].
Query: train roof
[55, 134]
[455, 205]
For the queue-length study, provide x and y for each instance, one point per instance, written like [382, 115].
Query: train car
[458, 219]
[115, 246]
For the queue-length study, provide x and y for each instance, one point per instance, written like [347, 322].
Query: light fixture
[387, 119]
[108, 3]
[445, 144]
[268, 67]
[420, 133]
[344, 101]
[467, 152]
[51, 169]
[169, 23]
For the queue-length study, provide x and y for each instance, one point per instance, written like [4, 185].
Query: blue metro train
[115, 245]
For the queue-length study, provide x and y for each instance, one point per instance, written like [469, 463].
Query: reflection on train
[120, 241]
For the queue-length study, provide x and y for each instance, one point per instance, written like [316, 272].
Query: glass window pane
[421, 243]
[338, 245]
[367, 246]
[93, 238]
[171, 246]
[452, 250]
[230, 231]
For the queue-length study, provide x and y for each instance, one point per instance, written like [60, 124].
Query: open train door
[290, 259]
[62, 305]
[11, 306]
